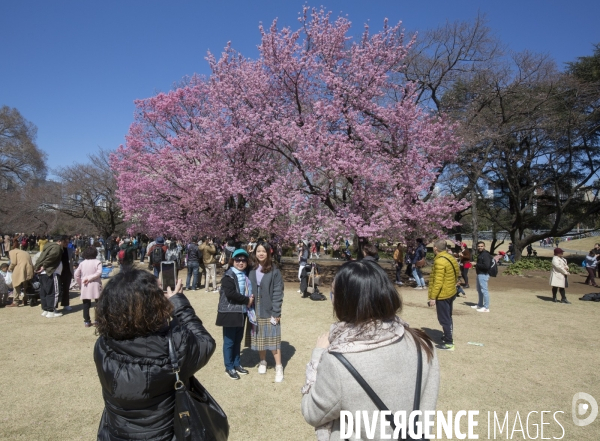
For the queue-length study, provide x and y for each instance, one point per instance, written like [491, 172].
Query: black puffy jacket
[138, 381]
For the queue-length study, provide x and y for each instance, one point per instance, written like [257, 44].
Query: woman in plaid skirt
[267, 284]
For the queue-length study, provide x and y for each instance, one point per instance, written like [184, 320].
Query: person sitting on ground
[3, 285]
[384, 350]
[88, 276]
[136, 320]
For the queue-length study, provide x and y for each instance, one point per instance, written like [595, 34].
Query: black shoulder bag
[375, 398]
[198, 417]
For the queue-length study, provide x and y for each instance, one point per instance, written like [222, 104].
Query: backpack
[121, 256]
[158, 255]
[493, 271]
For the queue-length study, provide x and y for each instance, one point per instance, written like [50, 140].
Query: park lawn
[535, 356]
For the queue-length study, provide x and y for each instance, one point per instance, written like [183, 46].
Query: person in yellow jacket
[442, 289]
[399, 262]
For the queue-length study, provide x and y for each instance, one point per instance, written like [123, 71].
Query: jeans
[142, 254]
[211, 274]
[156, 271]
[192, 267]
[482, 290]
[232, 343]
[418, 276]
[107, 255]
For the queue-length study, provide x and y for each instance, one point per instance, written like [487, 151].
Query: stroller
[33, 290]
[310, 281]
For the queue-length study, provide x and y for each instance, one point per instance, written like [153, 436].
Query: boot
[554, 298]
[564, 300]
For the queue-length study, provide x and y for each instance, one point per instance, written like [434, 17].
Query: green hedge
[535, 263]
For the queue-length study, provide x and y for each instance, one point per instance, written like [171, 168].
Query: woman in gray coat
[384, 350]
[267, 283]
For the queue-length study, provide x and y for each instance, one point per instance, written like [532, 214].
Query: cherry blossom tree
[314, 137]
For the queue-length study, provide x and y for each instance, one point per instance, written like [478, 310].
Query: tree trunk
[474, 220]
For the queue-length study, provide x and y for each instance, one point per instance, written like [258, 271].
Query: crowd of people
[251, 292]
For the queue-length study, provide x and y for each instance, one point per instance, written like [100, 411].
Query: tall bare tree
[20, 158]
[88, 192]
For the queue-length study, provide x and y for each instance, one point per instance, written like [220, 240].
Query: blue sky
[73, 68]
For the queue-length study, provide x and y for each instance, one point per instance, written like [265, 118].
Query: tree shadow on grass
[250, 358]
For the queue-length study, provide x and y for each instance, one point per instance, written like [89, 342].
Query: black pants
[409, 270]
[464, 272]
[49, 291]
[87, 303]
[399, 272]
[444, 313]
[590, 278]
[563, 295]
[65, 284]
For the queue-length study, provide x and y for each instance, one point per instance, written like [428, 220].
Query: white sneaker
[483, 310]
[399, 283]
[54, 314]
[418, 287]
[44, 313]
[475, 307]
[410, 279]
[68, 308]
[278, 373]
[262, 367]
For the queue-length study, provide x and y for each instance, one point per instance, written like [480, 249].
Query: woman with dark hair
[135, 320]
[88, 277]
[235, 301]
[384, 350]
[267, 284]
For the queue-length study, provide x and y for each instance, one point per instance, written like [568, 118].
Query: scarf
[347, 338]
[246, 289]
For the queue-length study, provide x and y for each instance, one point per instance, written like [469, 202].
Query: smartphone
[273, 321]
[168, 275]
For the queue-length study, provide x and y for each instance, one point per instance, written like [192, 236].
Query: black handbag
[375, 398]
[198, 417]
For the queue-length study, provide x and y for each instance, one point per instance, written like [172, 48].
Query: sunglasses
[240, 259]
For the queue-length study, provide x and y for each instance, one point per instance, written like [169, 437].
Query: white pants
[211, 274]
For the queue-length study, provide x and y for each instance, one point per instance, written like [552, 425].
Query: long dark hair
[363, 294]
[268, 266]
[131, 305]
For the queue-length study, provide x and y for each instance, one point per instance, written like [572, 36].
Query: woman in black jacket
[234, 302]
[132, 355]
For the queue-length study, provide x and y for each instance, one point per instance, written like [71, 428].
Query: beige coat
[559, 273]
[21, 266]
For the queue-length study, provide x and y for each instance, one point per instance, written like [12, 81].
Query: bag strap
[375, 398]
[174, 363]
[444, 257]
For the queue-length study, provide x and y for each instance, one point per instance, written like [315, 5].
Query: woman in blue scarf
[235, 304]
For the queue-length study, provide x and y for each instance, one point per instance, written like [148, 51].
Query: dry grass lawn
[536, 356]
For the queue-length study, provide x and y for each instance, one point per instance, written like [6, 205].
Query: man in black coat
[482, 268]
